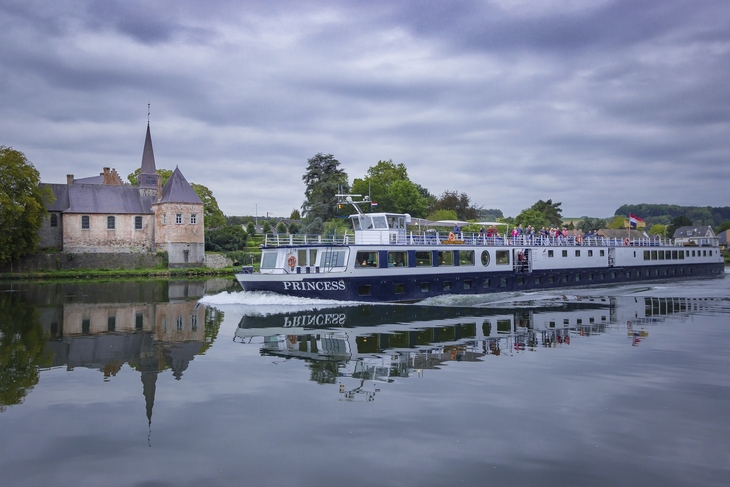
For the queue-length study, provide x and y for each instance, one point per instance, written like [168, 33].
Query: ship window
[485, 258]
[467, 283]
[577, 277]
[399, 288]
[704, 253]
[111, 223]
[446, 257]
[268, 260]
[424, 287]
[398, 259]
[551, 253]
[647, 255]
[661, 255]
[520, 281]
[603, 252]
[552, 324]
[551, 278]
[503, 282]
[675, 255]
[466, 257]
[356, 223]
[565, 253]
[681, 255]
[590, 276]
[367, 259]
[85, 222]
[54, 220]
[138, 223]
[653, 255]
[565, 277]
[364, 290]
[577, 253]
[423, 259]
[447, 285]
[538, 280]
[333, 258]
[628, 274]
[487, 283]
[379, 222]
[502, 257]
[590, 253]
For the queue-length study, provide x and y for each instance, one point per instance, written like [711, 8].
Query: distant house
[101, 214]
[695, 235]
[723, 238]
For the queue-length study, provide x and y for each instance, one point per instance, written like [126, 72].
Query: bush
[226, 239]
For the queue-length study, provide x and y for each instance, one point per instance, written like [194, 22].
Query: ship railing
[441, 238]
[283, 240]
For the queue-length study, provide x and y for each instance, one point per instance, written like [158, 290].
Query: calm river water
[191, 383]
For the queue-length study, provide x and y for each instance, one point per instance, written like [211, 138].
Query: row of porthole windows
[426, 258]
[399, 288]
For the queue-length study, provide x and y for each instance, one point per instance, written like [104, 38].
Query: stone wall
[217, 261]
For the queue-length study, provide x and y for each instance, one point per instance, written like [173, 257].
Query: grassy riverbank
[116, 274]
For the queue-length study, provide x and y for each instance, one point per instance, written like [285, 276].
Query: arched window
[54, 220]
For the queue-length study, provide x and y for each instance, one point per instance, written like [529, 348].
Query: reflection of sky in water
[596, 412]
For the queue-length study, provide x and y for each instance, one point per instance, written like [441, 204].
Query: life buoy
[452, 237]
[579, 239]
[292, 261]
[626, 242]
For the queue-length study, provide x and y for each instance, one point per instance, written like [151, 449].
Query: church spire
[148, 176]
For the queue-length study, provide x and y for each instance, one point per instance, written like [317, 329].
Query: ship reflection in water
[361, 348]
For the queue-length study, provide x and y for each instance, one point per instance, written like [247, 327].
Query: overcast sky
[591, 103]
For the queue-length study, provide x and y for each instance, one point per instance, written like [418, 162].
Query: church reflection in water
[152, 327]
[363, 347]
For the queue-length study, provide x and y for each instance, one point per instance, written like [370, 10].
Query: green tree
[588, 224]
[251, 228]
[440, 215]
[23, 204]
[266, 228]
[657, 229]
[323, 180]
[532, 217]
[293, 228]
[459, 202]
[552, 211]
[295, 215]
[281, 227]
[22, 349]
[617, 222]
[226, 239]
[722, 227]
[388, 185]
[338, 226]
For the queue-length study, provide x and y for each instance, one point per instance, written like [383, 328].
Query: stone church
[101, 214]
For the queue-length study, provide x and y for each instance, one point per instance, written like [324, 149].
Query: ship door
[522, 260]
[611, 256]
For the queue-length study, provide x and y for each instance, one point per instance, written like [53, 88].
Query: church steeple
[148, 177]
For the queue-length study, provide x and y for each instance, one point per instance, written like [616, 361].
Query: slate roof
[178, 190]
[90, 180]
[96, 198]
[60, 192]
[694, 231]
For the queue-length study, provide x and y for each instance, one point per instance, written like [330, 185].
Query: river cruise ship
[384, 261]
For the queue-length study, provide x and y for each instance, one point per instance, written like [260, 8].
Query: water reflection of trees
[22, 349]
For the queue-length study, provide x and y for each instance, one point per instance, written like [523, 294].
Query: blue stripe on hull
[415, 288]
